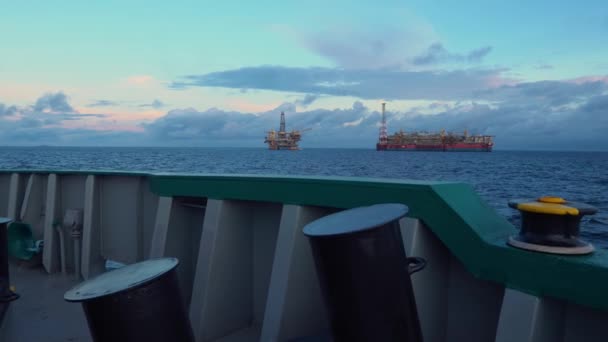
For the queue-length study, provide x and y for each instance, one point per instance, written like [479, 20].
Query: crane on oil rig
[283, 140]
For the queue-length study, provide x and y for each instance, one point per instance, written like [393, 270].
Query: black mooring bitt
[138, 302]
[365, 274]
[551, 225]
[6, 295]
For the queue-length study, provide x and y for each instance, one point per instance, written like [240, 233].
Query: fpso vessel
[425, 141]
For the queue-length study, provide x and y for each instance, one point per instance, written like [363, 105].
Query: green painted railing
[470, 229]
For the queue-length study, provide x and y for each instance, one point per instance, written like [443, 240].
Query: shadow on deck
[41, 314]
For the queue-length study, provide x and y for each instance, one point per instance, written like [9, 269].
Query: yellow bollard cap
[552, 199]
[552, 205]
[547, 208]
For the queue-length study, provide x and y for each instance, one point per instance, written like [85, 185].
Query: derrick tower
[383, 138]
[282, 126]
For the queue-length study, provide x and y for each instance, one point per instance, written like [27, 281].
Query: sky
[202, 73]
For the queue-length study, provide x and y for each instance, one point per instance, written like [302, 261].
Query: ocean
[497, 177]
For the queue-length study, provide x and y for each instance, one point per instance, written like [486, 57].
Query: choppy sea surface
[497, 176]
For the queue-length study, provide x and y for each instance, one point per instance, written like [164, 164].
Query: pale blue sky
[170, 38]
[125, 55]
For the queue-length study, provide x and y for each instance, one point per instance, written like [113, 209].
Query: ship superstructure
[431, 141]
[283, 140]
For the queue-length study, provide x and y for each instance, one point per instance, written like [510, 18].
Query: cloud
[307, 100]
[190, 124]
[103, 103]
[388, 62]
[475, 56]
[7, 110]
[77, 116]
[156, 104]
[404, 45]
[548, 115]
[215, 127]
[598, 105]
[53, 102]
[587, 79]
[365, 84]
[53, 108]
[552, 115]
[436, 54]
[351, 49]
[29, 124]
[549, 93]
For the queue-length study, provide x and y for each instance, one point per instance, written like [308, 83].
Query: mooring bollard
[6, 295]
[365, 274]
[138, 302]
[551, 225]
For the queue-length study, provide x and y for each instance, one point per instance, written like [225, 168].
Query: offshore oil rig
[283, 140]
[431, 141]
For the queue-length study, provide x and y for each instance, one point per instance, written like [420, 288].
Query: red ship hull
[457, 147]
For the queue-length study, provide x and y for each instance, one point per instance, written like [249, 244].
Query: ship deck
[41, 314]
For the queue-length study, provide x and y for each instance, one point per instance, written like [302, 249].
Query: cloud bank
[364, 84]
[547, 115]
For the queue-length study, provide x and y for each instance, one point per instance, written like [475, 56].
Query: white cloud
[538, 115]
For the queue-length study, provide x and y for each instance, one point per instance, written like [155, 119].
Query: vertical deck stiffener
[50, 252]
[92, 260]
